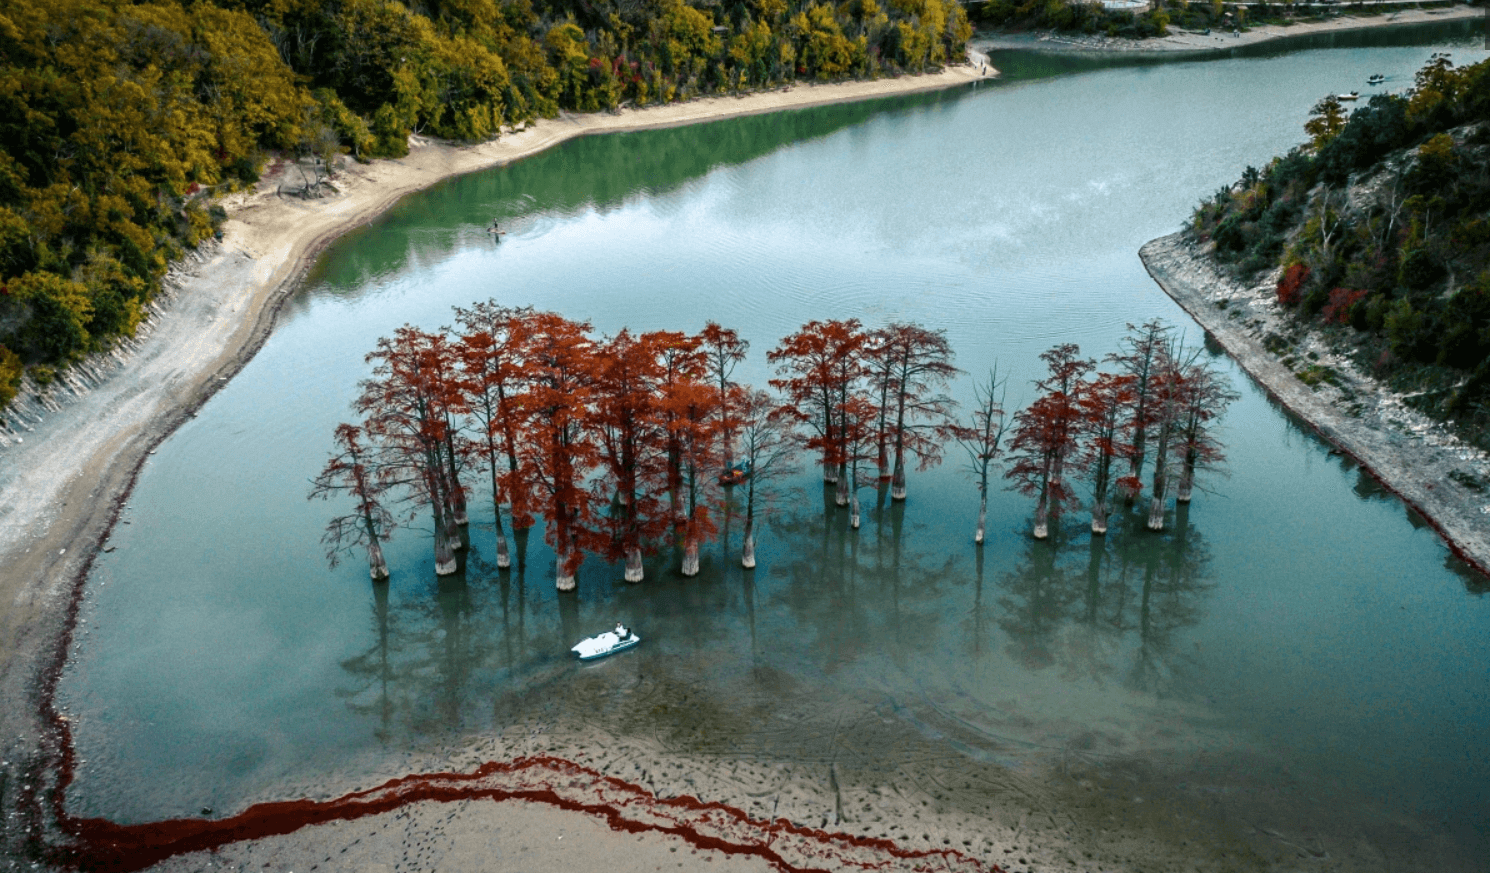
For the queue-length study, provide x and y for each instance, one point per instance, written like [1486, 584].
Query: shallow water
[1294, 632]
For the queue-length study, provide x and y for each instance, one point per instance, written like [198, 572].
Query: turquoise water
[1294, 631]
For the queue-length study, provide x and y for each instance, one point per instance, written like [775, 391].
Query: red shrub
[1290, 287]
[1342, 301]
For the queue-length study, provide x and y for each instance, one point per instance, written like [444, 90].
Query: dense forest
[120, 121]
[1381, 227]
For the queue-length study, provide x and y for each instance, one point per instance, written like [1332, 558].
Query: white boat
[1353, 95]
[606, 643]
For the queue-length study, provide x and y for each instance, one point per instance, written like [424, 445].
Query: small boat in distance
[1353, 95]
[735, 474]
[1376, 79]
[605, 643]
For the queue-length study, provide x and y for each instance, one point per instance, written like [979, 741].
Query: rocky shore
[1444, 479]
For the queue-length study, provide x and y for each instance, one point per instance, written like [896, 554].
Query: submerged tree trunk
[445, 563]
[504, 557]
[1156, 502]
[1042, 516]
[853, 511]
[1187, 478]
[377, 567]
[747, 551]
[634, 571]
[840, 496]
[897, 483]
[690, 556]
[1099, 514]
[982, 519]
[563, 576]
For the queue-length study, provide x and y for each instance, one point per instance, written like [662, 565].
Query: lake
[1296, 634]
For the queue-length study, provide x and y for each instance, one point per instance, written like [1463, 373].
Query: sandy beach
[1184, 41]
[1414, 457]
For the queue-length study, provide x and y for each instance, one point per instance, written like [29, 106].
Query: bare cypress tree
[982, 440]
[768, 442]
[1140, 358]
[352, 471]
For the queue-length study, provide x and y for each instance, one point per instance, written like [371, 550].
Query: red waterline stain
[95, 844]
[105, 846]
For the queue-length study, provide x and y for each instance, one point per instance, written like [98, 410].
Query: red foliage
[1291, 286]
[1342, 301]
[821, 364]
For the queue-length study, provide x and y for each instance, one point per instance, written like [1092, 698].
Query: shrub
[1342, 303]
[10, 375]
[1290, 287]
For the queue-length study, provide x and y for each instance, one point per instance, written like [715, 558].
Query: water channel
[1296, 634]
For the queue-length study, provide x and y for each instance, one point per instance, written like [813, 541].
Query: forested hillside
[119, 121]
[1381, 225]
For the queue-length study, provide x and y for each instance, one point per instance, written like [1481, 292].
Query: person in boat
[621, 631]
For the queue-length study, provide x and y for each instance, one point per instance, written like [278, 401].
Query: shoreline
[64, 484]
[1191, 42]
[1411, 456]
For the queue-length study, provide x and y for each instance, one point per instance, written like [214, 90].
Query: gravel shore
[1412, 456]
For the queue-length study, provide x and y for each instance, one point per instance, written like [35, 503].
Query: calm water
[1294, 628]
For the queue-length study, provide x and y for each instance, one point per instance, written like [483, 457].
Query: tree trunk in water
[377, 567]
[445, 562]
[840, 496]
[634, 571]
[563, 579]
[747, 552]
[452, 532]
[1156, 505]
[897, 484]
[690, 556]
[1042, 518]
[853, 511]
[830, 475]
[1187, 480]
[1099, 515]
[982, 520]
[504, 558]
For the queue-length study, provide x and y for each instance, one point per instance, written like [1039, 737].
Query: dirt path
[1415, 458]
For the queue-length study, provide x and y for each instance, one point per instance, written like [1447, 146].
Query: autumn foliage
[1291, 285]
[628, 445]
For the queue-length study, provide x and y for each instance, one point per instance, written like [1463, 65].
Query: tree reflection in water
[886, 613]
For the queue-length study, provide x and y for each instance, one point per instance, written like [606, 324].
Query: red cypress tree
[490, 355]
[632, 443]
[557, 442]
[725, 351]
[916, 416]
[405, 406]
[820, 368]
[1046, 435]
[1105, 405]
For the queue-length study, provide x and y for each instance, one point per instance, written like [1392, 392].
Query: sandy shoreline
[1184, 41]
[1412, 456]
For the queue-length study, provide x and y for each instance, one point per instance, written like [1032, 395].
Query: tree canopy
[120, 120]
